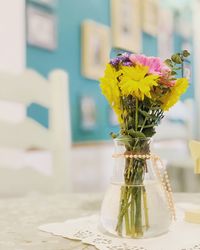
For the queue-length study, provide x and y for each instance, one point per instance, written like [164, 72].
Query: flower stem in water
[146, 216]
[138, 214]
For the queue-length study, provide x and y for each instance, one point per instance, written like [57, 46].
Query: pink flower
[167, 82]
[155, 64]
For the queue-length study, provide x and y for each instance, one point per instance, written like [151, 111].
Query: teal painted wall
[67, 56]
[178, 46]
[150, 45]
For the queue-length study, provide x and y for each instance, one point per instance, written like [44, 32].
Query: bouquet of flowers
[139, 89]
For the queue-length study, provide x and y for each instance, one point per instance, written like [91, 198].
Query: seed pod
[186, 53]
[176, 58]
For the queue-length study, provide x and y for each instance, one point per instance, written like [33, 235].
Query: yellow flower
[136, 82]
[110, 89]
[174, 95]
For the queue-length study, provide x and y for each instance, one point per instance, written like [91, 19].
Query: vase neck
[132, 161]
[133, 146]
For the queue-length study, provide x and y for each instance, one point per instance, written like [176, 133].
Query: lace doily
[181, 236]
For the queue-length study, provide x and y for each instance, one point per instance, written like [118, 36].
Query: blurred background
[54, 121]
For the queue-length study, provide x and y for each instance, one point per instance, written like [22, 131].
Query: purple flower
[115, 61]
[125, 56]
[127, 64]
[123, 59]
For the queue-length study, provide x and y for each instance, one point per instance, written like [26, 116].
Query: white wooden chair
[171, 144]
[29, 137]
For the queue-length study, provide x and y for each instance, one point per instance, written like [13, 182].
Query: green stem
[182, 69]
[145, 119]
[132, 213]
[149, 126]
[123, 210]
[133, 202]
[138, 213]
[146, 216]
[136, 114]
[126, 216]
[120, 216]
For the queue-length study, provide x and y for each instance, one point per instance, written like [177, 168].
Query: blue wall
[67, 56]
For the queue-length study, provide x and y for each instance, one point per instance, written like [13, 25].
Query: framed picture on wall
[165, 33]
[126, 25]
[95, 49]
[88, 113]
[150, 11]
[46, 3]
[41, 28]
[183, 24]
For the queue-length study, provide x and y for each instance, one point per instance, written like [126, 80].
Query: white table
[20, 218]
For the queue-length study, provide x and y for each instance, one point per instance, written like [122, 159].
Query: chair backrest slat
[52, 93]
[27, 87]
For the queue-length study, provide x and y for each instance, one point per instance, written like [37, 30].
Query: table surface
[20, 218]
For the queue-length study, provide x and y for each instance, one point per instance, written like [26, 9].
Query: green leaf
[141, 119]
[125, 139]
[177, 68]
[149, 132]
[144, 113]
[131, 132]
[173, 73]
[150, 125]
[130, 120]
[138, 134]
[168, 62]
[113, 135]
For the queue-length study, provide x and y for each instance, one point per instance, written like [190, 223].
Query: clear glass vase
[137, 203]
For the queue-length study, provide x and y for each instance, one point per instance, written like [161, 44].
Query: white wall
[12, 35]
[92, 167]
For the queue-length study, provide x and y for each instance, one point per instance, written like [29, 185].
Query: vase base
[159, 218]
[145, 235]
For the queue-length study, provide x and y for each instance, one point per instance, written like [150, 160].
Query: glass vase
[138, 202]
